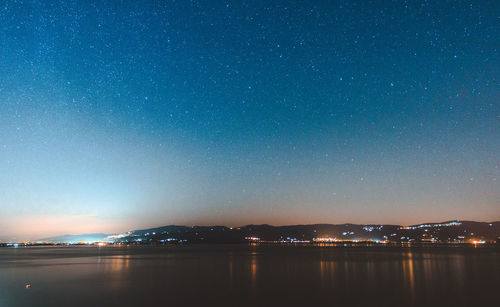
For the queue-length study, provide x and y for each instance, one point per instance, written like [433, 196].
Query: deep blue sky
[130, 114]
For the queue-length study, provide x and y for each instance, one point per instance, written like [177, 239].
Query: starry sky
[118, 115]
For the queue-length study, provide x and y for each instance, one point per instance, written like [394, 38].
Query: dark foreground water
[241, 275]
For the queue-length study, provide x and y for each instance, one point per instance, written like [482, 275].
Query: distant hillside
[443, 232]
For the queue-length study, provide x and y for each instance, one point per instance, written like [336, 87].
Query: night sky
[128, 114]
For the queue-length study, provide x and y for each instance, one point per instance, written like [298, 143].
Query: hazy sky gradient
[123, 115]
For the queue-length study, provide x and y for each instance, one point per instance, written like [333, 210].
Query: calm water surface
[241, 275]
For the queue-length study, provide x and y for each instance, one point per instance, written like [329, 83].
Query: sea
[249, 275]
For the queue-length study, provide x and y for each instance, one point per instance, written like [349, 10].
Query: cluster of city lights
[252, 238]
[454, 223]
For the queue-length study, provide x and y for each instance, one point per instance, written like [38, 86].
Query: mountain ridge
[448, 231]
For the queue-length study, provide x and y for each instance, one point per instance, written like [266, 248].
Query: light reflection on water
[253, 268]
[194, 275]
[230, 262]
[116, 264]
[408, 274]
